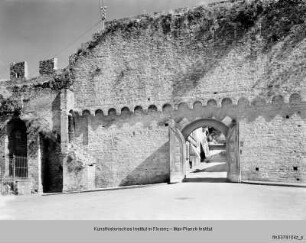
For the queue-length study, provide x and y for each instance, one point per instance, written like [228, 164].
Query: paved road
[191, 200]
[209, 170]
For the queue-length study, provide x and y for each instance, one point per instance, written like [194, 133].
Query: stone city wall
[226, 60]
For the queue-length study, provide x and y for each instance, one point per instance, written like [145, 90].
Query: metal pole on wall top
[103, 12]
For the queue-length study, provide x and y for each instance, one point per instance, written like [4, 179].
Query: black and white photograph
[153, 111]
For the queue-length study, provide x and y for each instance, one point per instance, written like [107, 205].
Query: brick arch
[125, 110]
[167, 108]
[226, 102]
[112, 112]
[183, 106]
[138, 109]
[99, 112]
[197, 105]
[202, 123]
[152, 108]
[86, 113]
[212, 102]
[295, 99]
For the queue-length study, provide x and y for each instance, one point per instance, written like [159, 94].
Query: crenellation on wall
[48, 67]
[19, 71]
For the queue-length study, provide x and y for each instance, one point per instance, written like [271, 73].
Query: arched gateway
[178, 150]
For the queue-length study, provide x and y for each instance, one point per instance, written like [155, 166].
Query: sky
[34, 30]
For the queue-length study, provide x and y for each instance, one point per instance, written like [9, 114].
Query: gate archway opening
[205, 150]
[206, 156]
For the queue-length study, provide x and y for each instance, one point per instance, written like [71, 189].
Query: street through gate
[178, 148]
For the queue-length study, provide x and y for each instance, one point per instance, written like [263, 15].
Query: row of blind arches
[276, 100]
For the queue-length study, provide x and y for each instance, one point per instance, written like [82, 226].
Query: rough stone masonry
[119, 114]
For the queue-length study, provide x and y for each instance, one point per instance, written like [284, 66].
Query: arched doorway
[17, 138]
[179, 157]
[206, 155]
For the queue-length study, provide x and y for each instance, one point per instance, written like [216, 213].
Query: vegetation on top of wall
[282, 18]
[277, 20]
[176, 22]
[55, 82]
[271, 28]
[10, 106]
[74, 163]
[37, 125]
[26, 90]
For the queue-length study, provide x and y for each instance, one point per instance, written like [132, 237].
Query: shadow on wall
[155, 169]
[52, 178]
[222, 44]
[280, 22]
[52, 169]
[56, 114]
